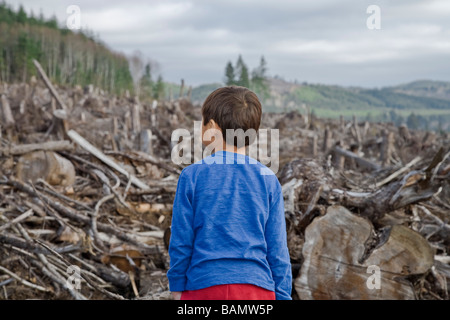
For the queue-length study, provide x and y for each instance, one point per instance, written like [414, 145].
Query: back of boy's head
[234, 108]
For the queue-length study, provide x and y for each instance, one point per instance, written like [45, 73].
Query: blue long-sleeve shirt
[228, 226]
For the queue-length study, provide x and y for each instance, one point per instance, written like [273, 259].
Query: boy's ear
[212, 125]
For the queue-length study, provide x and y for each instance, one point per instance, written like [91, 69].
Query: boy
[228, 238]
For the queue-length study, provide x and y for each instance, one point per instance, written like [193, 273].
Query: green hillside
[421, 104]
[339, 98]
[425, 88]
[67, 57]
[200, 93]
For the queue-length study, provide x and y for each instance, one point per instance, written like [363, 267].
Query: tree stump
[46, 165]
[342, 259]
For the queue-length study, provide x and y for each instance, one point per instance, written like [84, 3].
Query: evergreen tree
[238, 66]
[147, 82]
[41, 18]
[440, 127]
[32, 19]
[393, 116]
[399, 120]
[52, 22]
[239, 75]
[412, 121]
[21, 15]
[67, 57]
[158, 91]
[241, 70]
[259, 81]
[229, 74]
[244, 79]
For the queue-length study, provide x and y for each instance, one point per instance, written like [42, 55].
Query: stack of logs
[87, 185]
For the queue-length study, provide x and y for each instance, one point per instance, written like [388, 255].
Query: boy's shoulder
[216, 160]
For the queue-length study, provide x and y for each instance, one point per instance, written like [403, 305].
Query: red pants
[229, 292]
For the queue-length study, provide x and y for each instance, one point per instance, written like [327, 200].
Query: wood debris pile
[87, 185]
[86, 190]
[361, 197]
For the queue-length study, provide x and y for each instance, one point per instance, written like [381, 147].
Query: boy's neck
[230, 148]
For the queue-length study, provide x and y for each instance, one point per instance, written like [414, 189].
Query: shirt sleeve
[182, 234]
[277, 250]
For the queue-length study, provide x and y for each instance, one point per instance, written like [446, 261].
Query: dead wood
[8, 119]
[366, 164]
[73, 215]
[414, 187]
[113, 218]
[63, 145]
[338, 262]
[47, 165]
[100, 155]
[49, 85]
[143, 157]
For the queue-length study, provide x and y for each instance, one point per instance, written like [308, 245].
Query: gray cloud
[316, 41]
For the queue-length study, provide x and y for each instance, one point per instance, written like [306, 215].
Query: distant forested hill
[419, 104]
[425, 88]
[329, 97]
[67, 57]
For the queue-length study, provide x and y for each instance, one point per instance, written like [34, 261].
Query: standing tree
[158, 91]
[241, 70]
[244, 79]
[259, 82]
[229, 74]
[67, 57]
[21, 15]
[136, 69]
[146, 84]
[239, 75]
[412, 121]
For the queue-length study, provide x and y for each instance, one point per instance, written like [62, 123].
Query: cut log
[404, 132]
[144, 157]
[387, 147]
[355, 129]
[49, 85]
[107, 160]
[314, 145]
[62, 145]
[8, 119]
[135, 119]
[364, 163]
[45, 165]
[398, 172]
[189, 93]
[60, 122]
[416, 186]
[340, 262]
[327, 141]
[145, 141]
[181, 88]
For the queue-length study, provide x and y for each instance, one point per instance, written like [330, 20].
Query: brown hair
[234, 108]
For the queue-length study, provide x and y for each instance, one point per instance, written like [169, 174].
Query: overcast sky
[319, 41]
